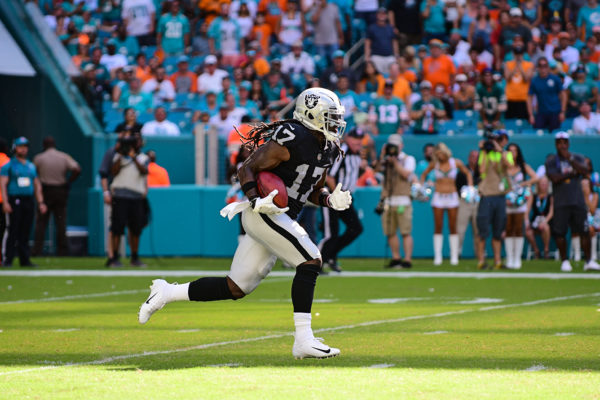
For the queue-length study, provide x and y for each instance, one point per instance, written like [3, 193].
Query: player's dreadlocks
[261, 132]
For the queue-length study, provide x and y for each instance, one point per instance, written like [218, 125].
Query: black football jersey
[308, 162]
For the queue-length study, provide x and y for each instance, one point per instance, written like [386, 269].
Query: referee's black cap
[356, 132]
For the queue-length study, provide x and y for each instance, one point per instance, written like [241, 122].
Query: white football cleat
[313, 348]
[592, 265]
[157, 300]
[566, 266]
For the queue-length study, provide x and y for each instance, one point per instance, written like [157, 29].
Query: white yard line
[289, 274]
[282, 335]
[75, 296]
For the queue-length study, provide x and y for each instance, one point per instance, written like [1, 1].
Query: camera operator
[566, 170]
[128, 189]
[395, 205]
[493, 163]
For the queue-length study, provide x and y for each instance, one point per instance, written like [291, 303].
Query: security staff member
[344, 172]
[56, 170]
[18, 184]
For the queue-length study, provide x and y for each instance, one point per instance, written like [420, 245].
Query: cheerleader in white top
[516, 206]
[445, 198]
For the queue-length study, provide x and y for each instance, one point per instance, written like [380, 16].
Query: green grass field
[465, 336]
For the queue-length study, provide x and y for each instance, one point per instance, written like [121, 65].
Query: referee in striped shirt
[344, 171]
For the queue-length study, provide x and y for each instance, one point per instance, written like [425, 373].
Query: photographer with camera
[493, 164]
[395, 205]
[128, 191]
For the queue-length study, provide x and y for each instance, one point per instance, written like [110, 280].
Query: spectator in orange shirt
[234, 140]
[272, 9]
[401, 88]
[262, 32]
[261, 66]
[211, 9]
[438, 67]
[366, 175]
[184, 80]
[555, 29]
[4, 159]
[518, 74]
[406, 73]
[142, 69]
[157, 175]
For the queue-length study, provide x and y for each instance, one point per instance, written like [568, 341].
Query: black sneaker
[394, 264]
[406, 264]
[115, 263]
[334, 266]
[6, 265]
[29, 264]
[136, 262]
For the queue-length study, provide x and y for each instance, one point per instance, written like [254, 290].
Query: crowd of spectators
[494, 61]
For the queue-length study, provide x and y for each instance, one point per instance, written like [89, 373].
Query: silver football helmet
[321, 110]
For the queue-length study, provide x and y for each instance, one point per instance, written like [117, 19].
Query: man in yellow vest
[493, 163]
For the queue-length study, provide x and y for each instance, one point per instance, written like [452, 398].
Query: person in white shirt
[162, 89]
[160, 126]
[235, 5]
[223, 122]
[139, 16]
[569, 54]
[212, 77]
[298, 62]
[111, 59]
[588, 123]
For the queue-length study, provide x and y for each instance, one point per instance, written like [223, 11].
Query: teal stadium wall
[186, 220]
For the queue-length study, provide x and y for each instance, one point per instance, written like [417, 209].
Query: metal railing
[206, 155]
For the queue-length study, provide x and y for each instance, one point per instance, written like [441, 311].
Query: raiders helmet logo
[311, 100]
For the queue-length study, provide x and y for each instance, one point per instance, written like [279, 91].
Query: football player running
[299, 151]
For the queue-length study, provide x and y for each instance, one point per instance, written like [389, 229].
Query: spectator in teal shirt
[274, 90]
[389, 111]
[135, 98]
[349, 100]
[19, 184]
[173, 31]
[588, 18]
[428, 111]
[434, 20]
[126, 45]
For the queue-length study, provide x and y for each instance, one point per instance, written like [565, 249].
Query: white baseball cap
[210, 59]
[395, 139]
[516, 12]
[561, 135]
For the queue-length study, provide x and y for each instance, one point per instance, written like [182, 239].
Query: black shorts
[565, 217]
[516, 110]
[130, 213]
[491, 211]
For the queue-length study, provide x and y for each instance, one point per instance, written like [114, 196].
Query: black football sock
[303, 287]
[209, 289]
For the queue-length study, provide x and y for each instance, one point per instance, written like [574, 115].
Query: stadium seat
[148, 51]
[185, 100]
[145, 117]
[516, 125]
[112, 118]
[170, 64]
[567, 124]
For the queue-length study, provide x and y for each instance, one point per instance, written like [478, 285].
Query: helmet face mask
[321, 110]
